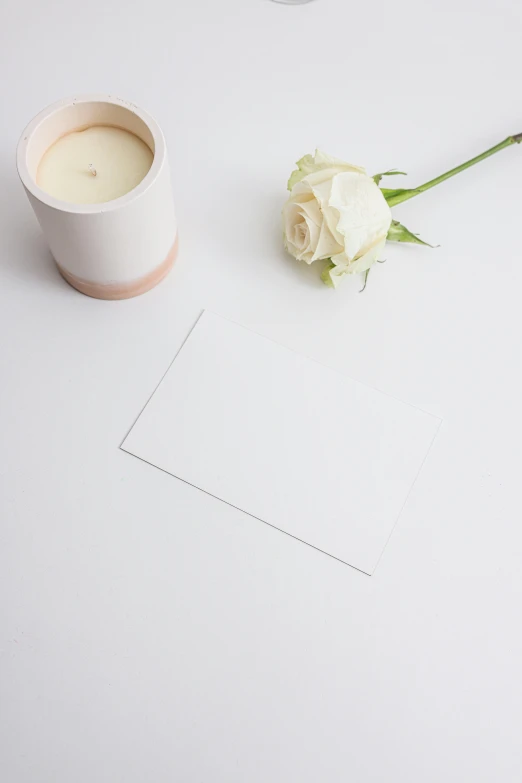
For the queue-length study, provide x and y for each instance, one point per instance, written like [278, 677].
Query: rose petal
[312, 210]
[301, 232]
[327, 245]
[363, 262]
[322, 159]
[364, 215]
[302, 193]
[312, 164]
[314, 232]
[291, 217]
[337, 274]
[322, 192]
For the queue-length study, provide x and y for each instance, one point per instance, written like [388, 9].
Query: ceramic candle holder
[117, 249]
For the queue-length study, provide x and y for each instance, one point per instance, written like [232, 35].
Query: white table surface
[151, 633]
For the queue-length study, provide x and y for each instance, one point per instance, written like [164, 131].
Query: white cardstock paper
[290, 442]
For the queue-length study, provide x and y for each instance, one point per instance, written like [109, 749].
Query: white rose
[335, 211]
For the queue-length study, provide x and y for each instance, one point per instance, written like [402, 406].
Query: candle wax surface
[121, 160]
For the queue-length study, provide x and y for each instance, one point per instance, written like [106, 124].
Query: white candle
[96, 173]
[94, 165]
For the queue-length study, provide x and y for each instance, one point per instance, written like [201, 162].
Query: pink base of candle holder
[123, 290]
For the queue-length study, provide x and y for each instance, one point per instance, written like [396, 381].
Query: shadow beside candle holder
[27, 256]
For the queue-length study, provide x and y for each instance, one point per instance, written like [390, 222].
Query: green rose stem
[398, 197]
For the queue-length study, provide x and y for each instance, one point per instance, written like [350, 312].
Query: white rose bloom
[335, 211]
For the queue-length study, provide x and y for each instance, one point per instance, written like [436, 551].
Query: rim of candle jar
[29, 181]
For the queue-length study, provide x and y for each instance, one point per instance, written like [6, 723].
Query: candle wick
[92, 169]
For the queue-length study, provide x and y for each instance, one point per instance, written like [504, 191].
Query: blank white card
[295, 444]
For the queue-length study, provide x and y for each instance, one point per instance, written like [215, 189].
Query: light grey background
[149, 632]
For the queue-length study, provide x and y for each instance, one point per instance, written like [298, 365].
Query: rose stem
[400, 197]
